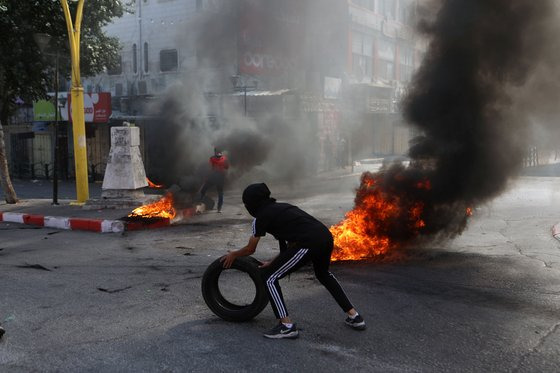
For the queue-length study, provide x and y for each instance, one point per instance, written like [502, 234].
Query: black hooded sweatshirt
[286, 222]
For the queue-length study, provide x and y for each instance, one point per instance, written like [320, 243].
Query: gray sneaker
[282, 331]
[357, 322]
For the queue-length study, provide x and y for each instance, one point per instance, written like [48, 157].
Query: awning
[263, 93]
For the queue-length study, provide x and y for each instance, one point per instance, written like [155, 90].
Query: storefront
[32, 130]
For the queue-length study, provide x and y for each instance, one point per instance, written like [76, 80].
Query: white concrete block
[125, 169]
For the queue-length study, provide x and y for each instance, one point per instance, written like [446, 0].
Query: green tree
[26, 73]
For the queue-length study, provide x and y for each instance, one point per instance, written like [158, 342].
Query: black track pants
[216, 179]
[292, 259]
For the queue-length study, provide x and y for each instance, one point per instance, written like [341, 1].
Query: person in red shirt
[219, 165]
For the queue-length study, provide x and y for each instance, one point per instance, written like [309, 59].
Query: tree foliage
[26, 72]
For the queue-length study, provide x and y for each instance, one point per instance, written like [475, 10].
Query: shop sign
[43, 110]
[97, 107]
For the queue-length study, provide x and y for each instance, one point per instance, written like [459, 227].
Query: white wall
[163, 25]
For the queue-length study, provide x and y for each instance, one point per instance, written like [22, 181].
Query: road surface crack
[519, 249]
[537, 346]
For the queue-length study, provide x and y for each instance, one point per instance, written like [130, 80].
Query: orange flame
[159, 209]
[152, 185]
[364, 232]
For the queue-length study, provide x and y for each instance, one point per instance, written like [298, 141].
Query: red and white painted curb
[556, 231]
[93, 225]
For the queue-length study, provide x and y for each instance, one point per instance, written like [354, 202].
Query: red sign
[97, 107]
[269, 38]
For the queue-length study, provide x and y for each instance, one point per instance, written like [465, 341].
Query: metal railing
[39, 170]
[96, 172]
[21, 170]
[531, 158]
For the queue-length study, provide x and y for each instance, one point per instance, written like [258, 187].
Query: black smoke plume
[465, 100]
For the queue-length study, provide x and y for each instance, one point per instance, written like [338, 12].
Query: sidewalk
[35, 208]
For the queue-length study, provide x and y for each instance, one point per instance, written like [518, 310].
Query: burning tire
[224, 308]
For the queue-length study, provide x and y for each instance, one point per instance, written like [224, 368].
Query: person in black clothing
[302, 238]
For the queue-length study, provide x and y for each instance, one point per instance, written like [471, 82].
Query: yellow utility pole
[77, 94]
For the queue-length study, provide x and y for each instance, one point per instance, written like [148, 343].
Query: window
[387, 8]
[117, 69]
[361, 65]
[386, 70]
[386, 49]
[405, 11]
[362, 54]
[198, 4]
[362, 44]
[406, 56]
[134, 59]
[168, 60]
[146, 65]
[386, 55]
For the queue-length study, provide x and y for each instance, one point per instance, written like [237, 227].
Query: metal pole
[55, 168]
[77, 96]
[245, 98]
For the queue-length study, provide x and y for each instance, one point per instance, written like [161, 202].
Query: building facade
[338, 67]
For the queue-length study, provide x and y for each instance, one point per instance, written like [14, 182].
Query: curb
[556, 231]
[92, 225]
[58, 222]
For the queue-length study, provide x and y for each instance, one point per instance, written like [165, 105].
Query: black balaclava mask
[255, 196]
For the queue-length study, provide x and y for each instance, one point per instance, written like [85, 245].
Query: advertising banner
[43, 110]
[97, 108]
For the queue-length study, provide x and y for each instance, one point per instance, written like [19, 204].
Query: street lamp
[43, 41]
[240, 86]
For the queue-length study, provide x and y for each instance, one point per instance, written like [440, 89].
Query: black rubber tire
[221, 306]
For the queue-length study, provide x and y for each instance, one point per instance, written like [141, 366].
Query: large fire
[379, 217]
[393, 208]
[159, 209]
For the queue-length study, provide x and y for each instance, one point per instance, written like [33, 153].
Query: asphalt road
[487, 301]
